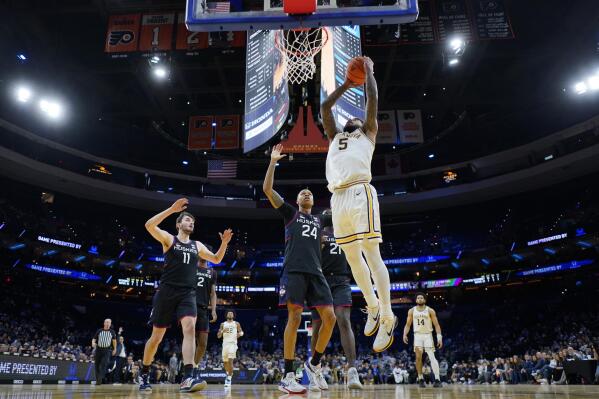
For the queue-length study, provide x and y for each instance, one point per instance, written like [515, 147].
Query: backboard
[237, 15]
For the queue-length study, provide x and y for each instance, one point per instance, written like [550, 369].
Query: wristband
[439, 337]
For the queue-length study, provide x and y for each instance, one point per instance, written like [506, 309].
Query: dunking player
[176, 295]
[302, 279]
[230, 331]
[337, 274]
[355, 206]
[423, 318]
[205, 297]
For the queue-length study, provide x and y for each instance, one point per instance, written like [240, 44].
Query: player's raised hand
[180, 205]
[226, 236]
[368, 65]
[276, 155]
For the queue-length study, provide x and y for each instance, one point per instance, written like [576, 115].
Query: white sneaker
[290, 385]
[228, 380]
[372, 321]
[317, 381]
[384, 338]
[353, 379]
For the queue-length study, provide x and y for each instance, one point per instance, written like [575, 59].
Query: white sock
[380, 275]
[361, 273]
[434, 363]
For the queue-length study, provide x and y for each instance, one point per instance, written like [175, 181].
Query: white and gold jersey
[422, 322]
[230, 332]
[349, 159]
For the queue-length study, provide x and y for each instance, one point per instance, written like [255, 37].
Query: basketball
[355, 71]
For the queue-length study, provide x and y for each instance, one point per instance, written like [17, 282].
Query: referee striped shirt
[104, 338]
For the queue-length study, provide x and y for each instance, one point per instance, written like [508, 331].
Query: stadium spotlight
[160, 72]
[431, 156]
[23, 94]
[457, 45]
[454, 61]
[51, 108]
[593, 82]
[21, 57]
[155, 59]
[580, 88]
[185, 163]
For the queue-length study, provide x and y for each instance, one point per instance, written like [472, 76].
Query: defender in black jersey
[206, 304]
[338, 276]
[302, 279]
[176, 296]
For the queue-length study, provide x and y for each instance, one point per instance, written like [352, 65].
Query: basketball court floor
[271, 392]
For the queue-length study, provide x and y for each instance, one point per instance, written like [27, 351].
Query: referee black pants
[103, 356]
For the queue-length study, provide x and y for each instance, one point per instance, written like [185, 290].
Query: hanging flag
[218, 6]
[222, 169]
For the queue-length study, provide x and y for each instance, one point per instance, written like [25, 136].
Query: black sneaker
[421, 384]
[437, 384]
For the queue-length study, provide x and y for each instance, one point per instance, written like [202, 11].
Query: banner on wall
[409, 123]
[387, 133]
[193, 41]
[393, 164]
[122, 35]
[226, 132]
[200, 133]
[25, 369]
[156, 32]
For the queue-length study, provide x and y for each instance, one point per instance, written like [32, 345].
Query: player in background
[338, 275]
[206, 304]
[356, 217]
[424, 318]
[230, 331]
[176, 296]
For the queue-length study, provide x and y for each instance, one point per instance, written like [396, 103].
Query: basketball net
[299, 46]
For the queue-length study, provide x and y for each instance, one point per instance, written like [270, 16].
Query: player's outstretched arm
[437, 327]
[165, 238]
[371, 126]
[326, 109]
[275, 156]
[205, 253]
[406, 328]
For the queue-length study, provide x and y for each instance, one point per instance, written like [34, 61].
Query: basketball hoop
[299, 46]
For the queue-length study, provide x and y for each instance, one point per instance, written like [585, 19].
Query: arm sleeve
[287, 212]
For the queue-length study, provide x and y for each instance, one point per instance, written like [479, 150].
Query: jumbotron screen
[266, 92]
[343, 44]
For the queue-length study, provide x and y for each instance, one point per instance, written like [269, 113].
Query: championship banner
[200, 133]
[453, 18]
[26, 369]
[226, 132]
[156, 32]
[409, 123]
[387, 133]
[187, 40]
[122, 33]
[492, 20]
[305, 139]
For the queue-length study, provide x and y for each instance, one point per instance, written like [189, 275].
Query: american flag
[218, 6]
[222, 169]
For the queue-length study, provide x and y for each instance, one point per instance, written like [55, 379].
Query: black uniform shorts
[172, 302]
[203, 320]
[340, 290]
[304, 288]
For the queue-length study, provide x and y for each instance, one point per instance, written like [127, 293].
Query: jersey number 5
[342, 144]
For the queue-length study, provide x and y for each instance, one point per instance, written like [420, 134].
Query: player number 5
[342, 144]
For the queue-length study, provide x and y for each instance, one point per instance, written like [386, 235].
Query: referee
[104, 342]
